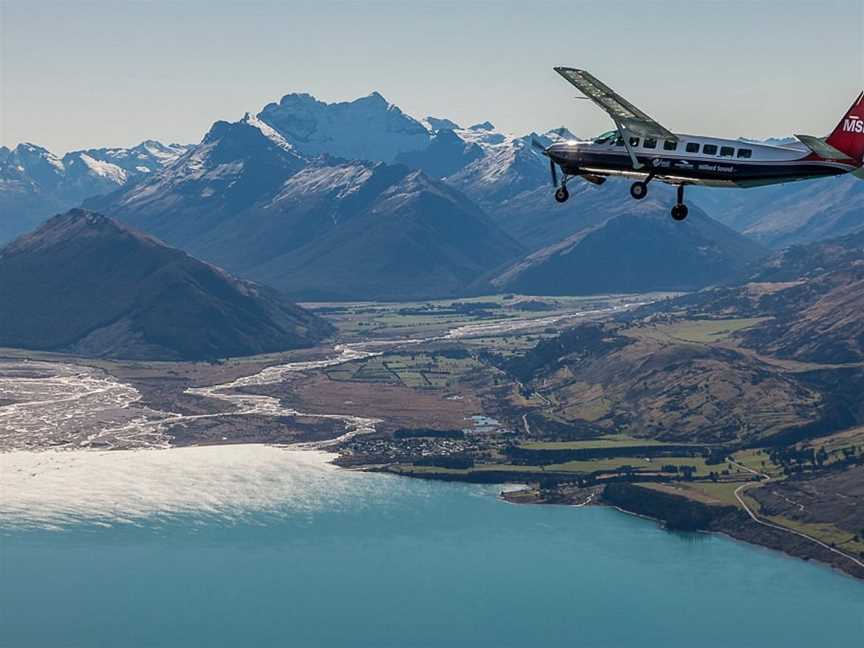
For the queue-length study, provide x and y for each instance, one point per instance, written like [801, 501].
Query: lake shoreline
[727, 521]
[724, 520]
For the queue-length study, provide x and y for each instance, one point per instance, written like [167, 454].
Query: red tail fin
[848, 137]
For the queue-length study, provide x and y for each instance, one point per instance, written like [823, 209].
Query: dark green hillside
[638, 251]
[86, 284]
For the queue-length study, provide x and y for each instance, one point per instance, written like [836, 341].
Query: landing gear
[639, 190]
[561, 194]
[679, 211]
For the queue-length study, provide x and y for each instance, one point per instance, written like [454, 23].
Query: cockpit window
[606, 138]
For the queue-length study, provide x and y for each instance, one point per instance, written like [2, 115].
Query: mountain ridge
[84, 283]
[316, 227]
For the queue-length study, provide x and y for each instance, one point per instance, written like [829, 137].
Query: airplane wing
[622, 112]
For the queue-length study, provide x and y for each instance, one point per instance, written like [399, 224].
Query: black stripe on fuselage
[733, 170]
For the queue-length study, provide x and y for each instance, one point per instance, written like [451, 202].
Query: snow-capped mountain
[147, 157]
[509, 177]
[234, 166]
[314, 226]
[359, 200]
[35, 183]
[265, 198]
[368, 128]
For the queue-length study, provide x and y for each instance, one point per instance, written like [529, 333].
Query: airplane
[642, 149]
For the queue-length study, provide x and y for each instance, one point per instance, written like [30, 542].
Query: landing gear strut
[679, 211]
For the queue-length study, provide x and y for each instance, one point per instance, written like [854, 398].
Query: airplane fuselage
[643, 149]
[694, 160]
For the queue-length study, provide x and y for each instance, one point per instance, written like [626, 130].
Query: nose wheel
[638, 190]
[679, 211]
[561, 194]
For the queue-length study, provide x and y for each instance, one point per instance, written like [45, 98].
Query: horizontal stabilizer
[821, 148]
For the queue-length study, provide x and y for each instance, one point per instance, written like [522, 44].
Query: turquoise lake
[287, 551]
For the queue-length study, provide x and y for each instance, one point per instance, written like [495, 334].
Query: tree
[821, 456]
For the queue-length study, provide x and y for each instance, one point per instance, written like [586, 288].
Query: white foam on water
[53, 489]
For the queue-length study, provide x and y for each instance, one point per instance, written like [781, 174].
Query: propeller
[539, 146]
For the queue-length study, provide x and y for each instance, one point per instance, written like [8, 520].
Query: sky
[81, 74]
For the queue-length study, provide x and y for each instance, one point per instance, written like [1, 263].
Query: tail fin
[848, 137]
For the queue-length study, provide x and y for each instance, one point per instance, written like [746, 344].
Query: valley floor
[425, 390]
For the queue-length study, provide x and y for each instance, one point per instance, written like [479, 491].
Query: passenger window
[619, 141]
[692, 147]
[709, 149]
[669, 145]
[634, 141]
[727, 151]
[745, 153]
[650, 142]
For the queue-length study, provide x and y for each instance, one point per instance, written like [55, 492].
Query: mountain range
[35, 183]
[454, 212]
[788, 214]
[315, 227]
[85, 284]
[357, 200]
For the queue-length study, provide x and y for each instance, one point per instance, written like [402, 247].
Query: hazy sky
[77, 74]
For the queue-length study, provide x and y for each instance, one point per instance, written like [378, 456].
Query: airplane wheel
[561, 195]
[639, 190]
[679, 212]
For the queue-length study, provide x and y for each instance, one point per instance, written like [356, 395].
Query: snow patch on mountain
[437, 123]
[268, 132]
[338, 181]
[104, 169]
[368, 128]
[775, 141]
[33, 153]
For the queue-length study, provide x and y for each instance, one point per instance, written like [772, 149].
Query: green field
[612, 441]
[417, 370]
[706, 492]
[758, 460]
[614, 464]
[701, 331]
[827, 533]
[437, 317]
[638, 464]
